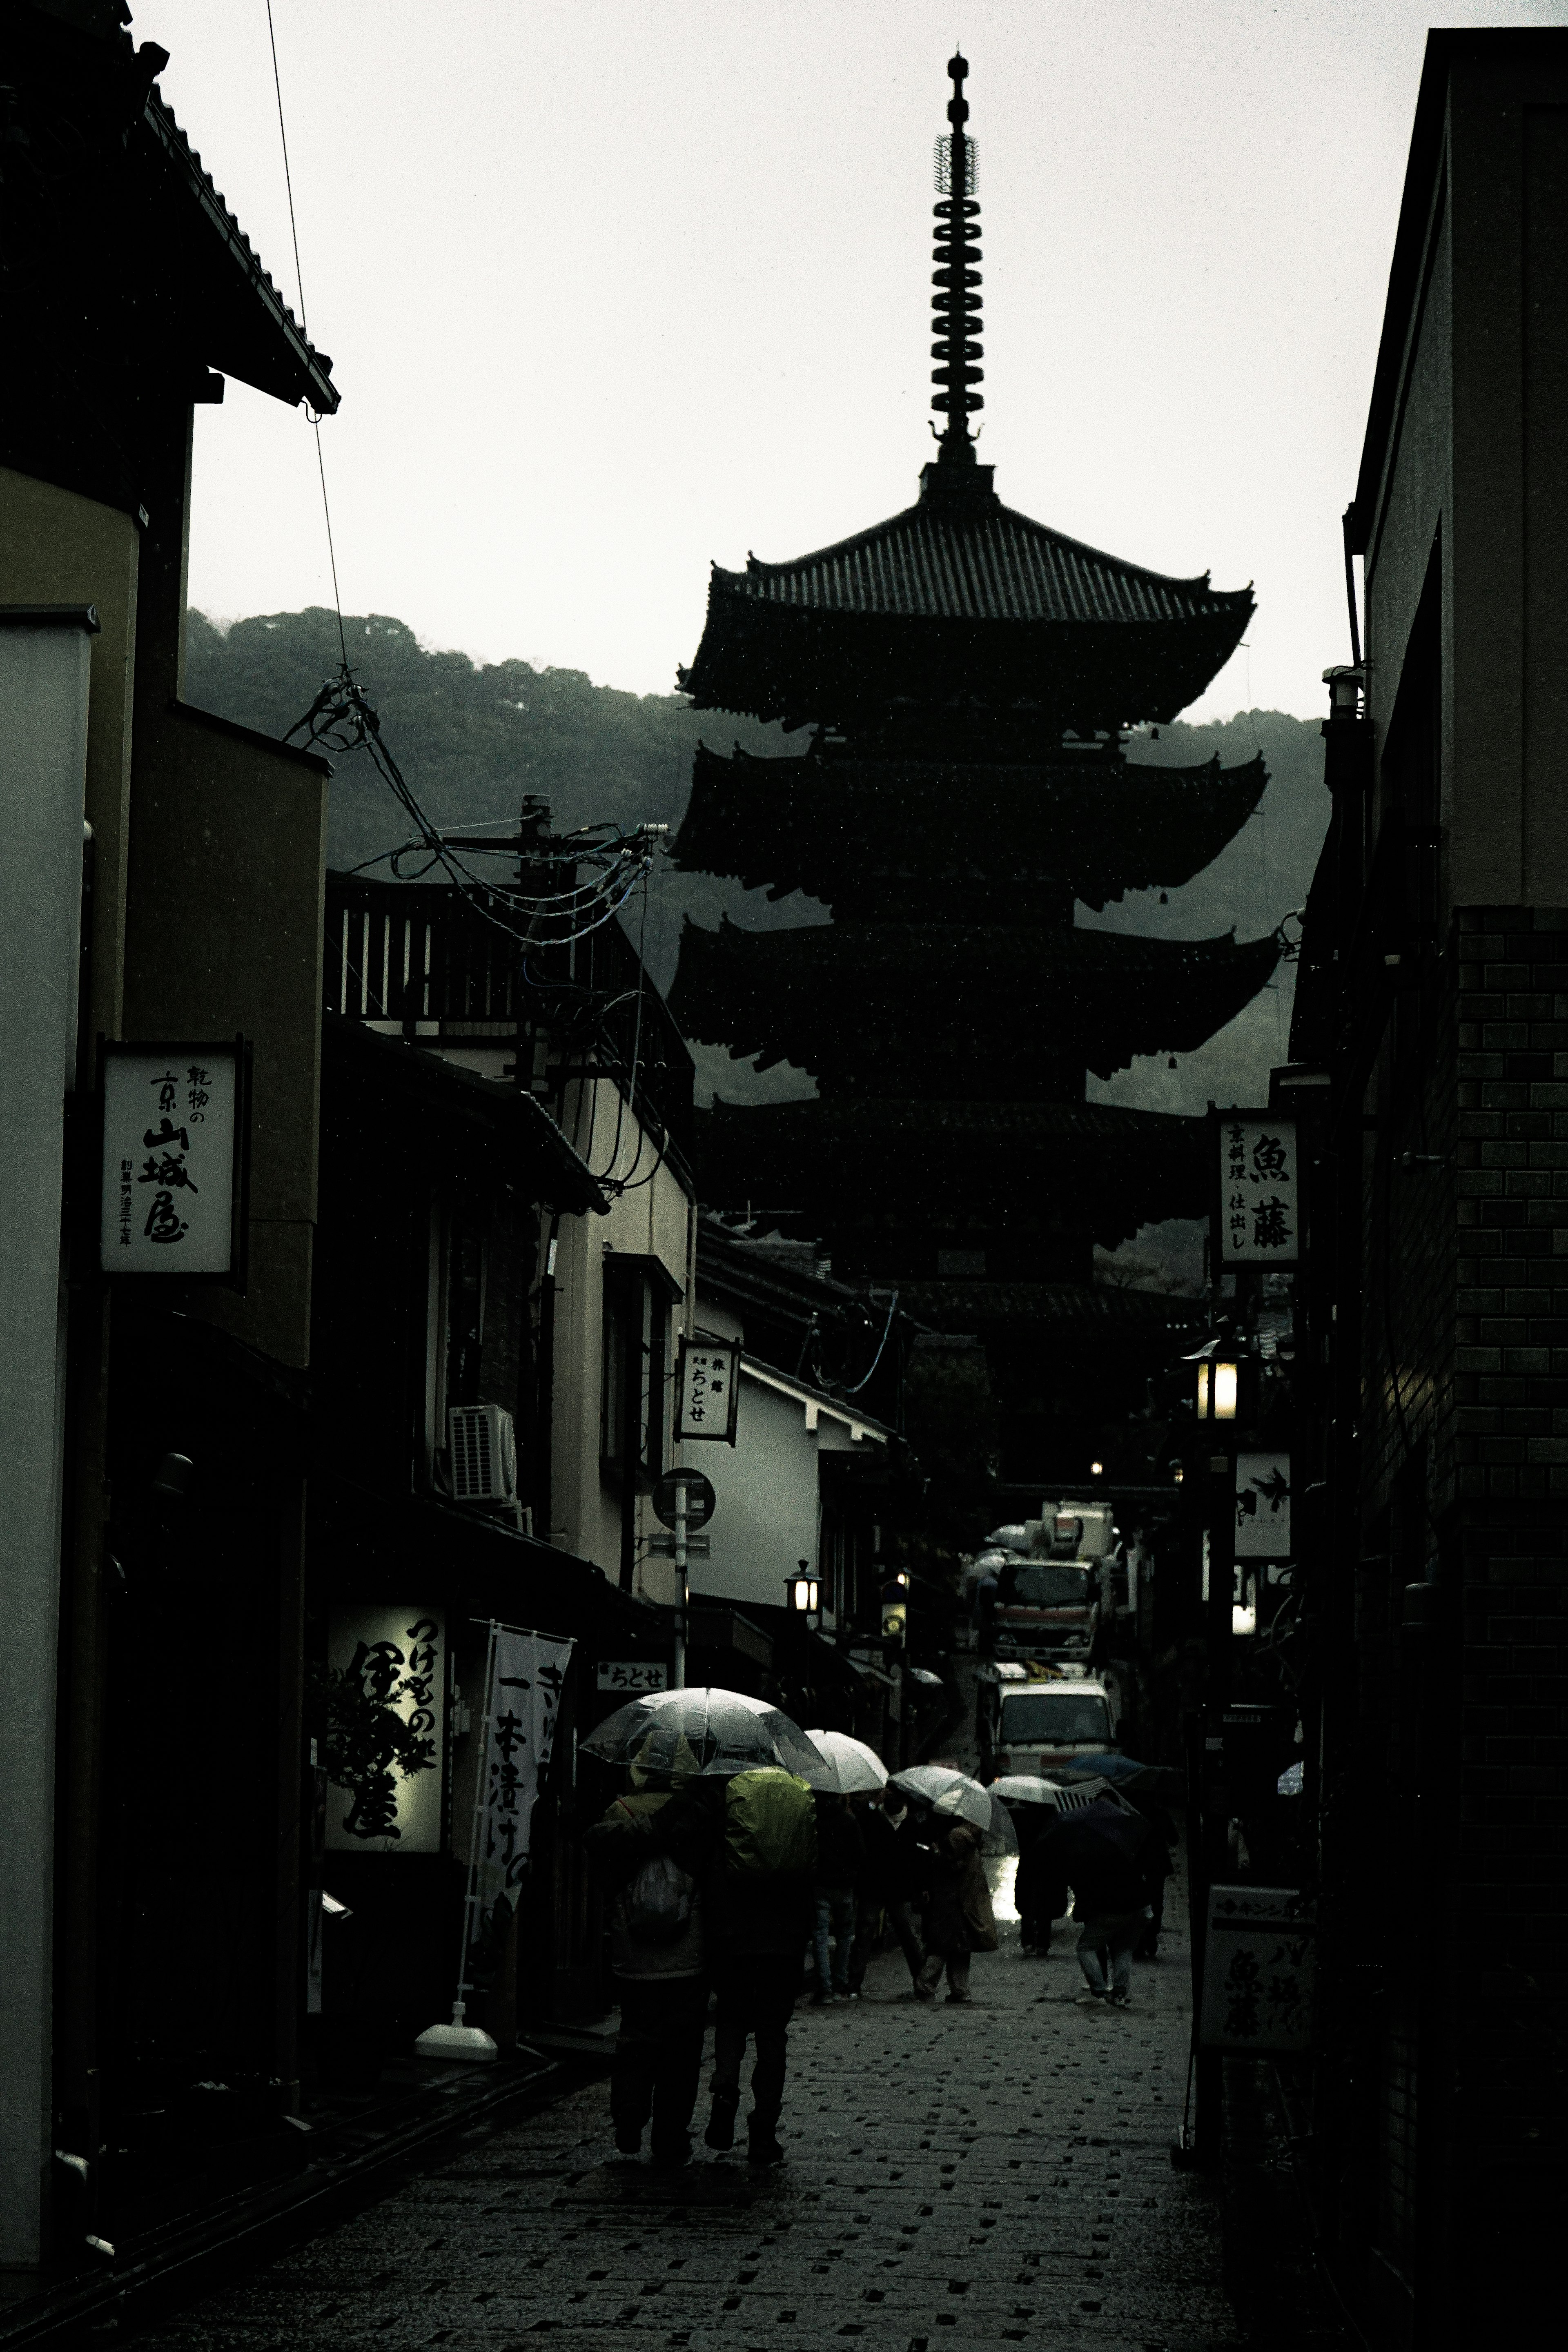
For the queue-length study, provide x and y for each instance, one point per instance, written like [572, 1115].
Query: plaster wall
[654, 1220]
[224, 937]
[59, 548]
[45, 691]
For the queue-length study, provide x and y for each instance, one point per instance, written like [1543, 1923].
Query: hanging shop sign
[1257, 1219]
[632, 1674]
[708, 1391]
[1263, 1507]
[175, 1132]
[527, 1672]
[392, 1662]
[1259, 1966]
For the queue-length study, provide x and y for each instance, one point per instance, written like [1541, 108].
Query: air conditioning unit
[481, 1451]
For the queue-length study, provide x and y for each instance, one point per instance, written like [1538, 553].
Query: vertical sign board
[1263, 1507]
[1257, 1218]
[527, 1675]
[398, 1659]
[174, 1160]
[1259, 1967]
[708, 1391]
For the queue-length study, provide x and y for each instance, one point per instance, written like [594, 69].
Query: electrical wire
[881, 1343]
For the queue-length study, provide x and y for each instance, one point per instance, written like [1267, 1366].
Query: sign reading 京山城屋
[174, 1138]
[1258, 1218]
[707, 1390]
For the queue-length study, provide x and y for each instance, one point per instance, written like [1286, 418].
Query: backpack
[770, 1824]
[658, 1902]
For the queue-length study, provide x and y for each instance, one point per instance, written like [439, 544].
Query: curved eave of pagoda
[824, 826]
[1092, 1167]
[842, 998]
[769, 662]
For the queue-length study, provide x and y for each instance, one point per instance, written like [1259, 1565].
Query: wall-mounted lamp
[1096, 1469]
[1217, 1384]
[803, 1594]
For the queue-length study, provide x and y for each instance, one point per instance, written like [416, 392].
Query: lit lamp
[802, 1593]
[1096, 1469]
[1218, 1380]
[896, 1609]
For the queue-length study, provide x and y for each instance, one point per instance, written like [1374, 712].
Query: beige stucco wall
[59, 548]
[653, 1221]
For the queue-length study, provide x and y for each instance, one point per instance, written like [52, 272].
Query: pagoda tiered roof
[853, 1001]
[857, 833]
[959, 600]
[1091, 1168]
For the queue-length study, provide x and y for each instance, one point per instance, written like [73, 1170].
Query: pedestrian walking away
[956, 1914]
[1101, 1853]
[840, 1865]
[752, 1843]
[891, 1883]
[657, 1958]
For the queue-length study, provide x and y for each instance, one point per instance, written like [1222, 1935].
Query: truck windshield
[1052, 1716]
[1028, 1587]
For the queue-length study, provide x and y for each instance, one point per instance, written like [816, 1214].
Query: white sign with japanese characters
[527, 1674]
[1260, 1191]
[631, 1675]
[386, 1660]
[1263, 1507]
[707, 1389]
[1259, 1969]
[170, 1130]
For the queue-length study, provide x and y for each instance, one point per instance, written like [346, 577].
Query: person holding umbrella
[657, 1958]
[1040, 1891]
[744, 1829]
[1100, 1853]
[963, 1820]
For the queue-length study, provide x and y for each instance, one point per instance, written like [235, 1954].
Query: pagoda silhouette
[969, 677]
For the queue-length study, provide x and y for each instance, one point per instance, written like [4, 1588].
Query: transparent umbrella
[706, 1733]
[953, 1793]
[1025, 1789]
[854, 1767]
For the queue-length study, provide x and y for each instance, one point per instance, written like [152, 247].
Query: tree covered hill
[473, 738]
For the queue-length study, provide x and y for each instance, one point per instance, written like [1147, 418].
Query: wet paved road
[991, 2175]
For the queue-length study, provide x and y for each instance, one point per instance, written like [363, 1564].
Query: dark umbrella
[1155, 1784]
[1101, 1832]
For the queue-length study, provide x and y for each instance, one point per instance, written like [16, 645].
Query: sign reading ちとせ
[707, 1390]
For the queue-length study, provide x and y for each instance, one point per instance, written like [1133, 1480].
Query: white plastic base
[450, 2041]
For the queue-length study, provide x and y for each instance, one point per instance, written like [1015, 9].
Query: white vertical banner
[527, 1672]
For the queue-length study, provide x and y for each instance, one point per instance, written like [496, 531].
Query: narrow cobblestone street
[956, 2178]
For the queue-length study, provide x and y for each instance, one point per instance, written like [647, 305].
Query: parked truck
[1045, 1588]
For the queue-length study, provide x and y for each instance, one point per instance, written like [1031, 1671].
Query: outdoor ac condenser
[483, 1452]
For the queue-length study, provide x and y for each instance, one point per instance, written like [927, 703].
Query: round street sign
[700, 1497]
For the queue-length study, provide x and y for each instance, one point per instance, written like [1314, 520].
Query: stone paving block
[959, 2177]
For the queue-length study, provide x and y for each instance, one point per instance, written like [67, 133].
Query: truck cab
[1047, 1585]
[1041, 1722]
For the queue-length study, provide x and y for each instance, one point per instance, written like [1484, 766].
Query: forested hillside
[473, 738]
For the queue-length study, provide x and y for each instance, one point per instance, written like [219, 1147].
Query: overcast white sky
[614, 288]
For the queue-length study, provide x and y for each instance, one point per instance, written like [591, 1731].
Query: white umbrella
[853, 1768]
[1026, 1789]
[949, 1791]
[702, 1731]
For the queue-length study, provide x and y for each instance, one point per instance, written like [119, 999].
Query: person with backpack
[659, 1965]
[750, 1840]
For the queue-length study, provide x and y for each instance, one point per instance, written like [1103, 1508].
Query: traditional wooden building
[969, 677]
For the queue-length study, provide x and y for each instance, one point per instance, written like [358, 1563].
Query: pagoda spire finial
[956, 305]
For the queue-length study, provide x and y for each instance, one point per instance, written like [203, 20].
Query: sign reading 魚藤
[1263, 1507]
[1260, 1212]
[173, 1144]
[707, 1390]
